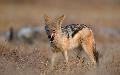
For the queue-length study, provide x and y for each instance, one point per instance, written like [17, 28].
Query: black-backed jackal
[69, 37]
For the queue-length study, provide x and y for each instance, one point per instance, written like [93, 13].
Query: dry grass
[31, 60]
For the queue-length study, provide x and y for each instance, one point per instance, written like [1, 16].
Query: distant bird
[25, 34]
[10, 34]
[36, 31]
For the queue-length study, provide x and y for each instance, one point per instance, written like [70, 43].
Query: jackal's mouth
[51, 38]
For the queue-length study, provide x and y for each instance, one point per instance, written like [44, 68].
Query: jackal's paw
[91, 65]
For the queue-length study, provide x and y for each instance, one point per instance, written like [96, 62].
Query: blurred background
[96, 12]
[103, 15]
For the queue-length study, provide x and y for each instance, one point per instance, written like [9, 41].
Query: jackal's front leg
[53, 59]
[65, 55]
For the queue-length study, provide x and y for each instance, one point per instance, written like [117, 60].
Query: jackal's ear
[60, 19]
[47, 19]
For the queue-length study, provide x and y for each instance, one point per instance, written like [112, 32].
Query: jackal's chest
[56, 47]
[64, 44]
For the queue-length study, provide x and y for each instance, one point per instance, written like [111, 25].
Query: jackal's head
[52, 27]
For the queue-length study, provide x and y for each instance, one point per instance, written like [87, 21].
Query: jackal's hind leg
[88, 46]
[78, 51]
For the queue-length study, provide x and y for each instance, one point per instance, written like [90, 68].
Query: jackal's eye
[46, 28]
[53, 31]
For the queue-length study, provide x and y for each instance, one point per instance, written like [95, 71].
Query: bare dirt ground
[25, 59]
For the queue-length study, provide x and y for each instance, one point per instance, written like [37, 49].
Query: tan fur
[84, 37]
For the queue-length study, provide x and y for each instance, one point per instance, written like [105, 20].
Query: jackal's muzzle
[51, 37]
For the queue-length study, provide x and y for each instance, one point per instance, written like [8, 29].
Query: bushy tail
[96, 54]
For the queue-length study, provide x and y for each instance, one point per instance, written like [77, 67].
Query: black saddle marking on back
[72, 29]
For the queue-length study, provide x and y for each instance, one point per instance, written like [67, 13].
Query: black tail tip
[96, 54]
